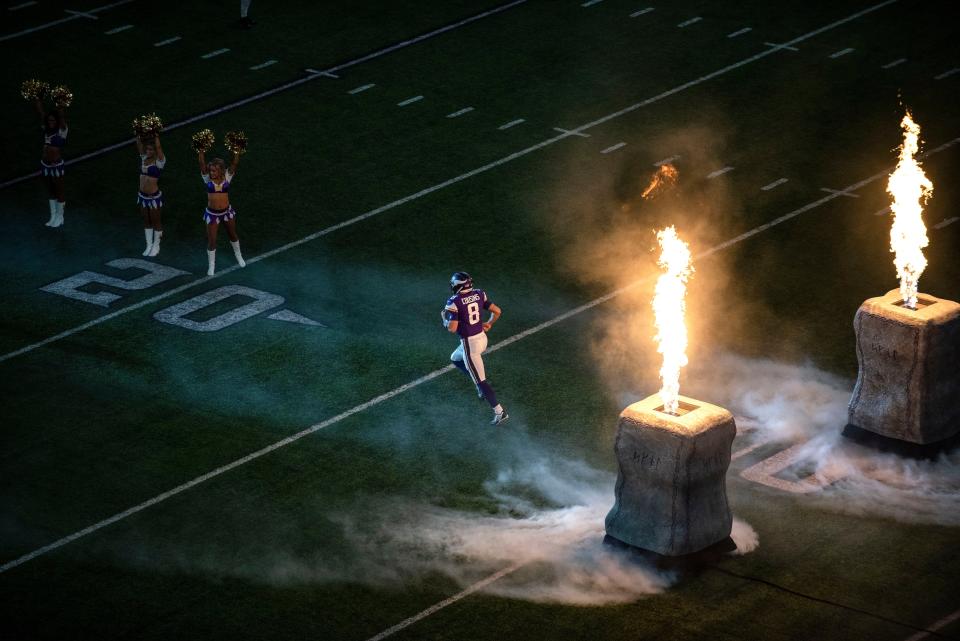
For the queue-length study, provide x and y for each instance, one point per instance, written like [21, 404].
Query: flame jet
[668, 309]
[910, 189]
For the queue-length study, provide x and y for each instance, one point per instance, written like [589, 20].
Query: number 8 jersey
[465, 307]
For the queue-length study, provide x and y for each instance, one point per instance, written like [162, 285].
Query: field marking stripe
[720, 172]
[590, 3]
[733, 66]
[687, 23]
[460, 112]
[512, 123]
[740, 32]
[641, 12]
[842, 52]
[427, 377]
[945, 222]
[613, 147]
[932, 629]
[564, 133]
[214, 53]
[890, 65]
[22, 5]
[361, 88]
[81, 14]
[163, 43]
[118, 29]
[263, 65]
[479, 585]
[279, 88]
[409, 101]
[54, 23]
[947, 74]
[774, 184]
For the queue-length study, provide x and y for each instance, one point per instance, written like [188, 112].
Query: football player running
[461, 316]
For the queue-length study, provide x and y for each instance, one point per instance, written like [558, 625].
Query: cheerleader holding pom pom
[152, 162]
[54, 126]
[217, 178]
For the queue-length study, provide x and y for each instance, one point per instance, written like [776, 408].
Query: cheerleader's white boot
[58, 221]
[53, 213]
[236, 252]
[155, 246]
[148, 235]
[211, 261]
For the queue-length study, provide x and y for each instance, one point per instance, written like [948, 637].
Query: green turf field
[339, 480]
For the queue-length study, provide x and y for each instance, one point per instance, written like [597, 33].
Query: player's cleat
[211, 261]
[236, 252]
[501, 418]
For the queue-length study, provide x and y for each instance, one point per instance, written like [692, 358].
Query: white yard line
[457, 114]
[263, 65]
[720, 172]
[942, 623]
[319, 72]
[409, 101]
[776, 183]
[22, 5]
[53, 23]
[275, 90]
[512, 123]
[775, 46]
[215, 53]
[947, 74]
[613, 147]
[416, 382]
[577, 132]
[164, 43]
[945, 222]
[571, 132]
[842, 52]
[894, 63]
[641, 12]
[118, 29]
[687, 23]
[479, 585]
[361, 88]
[565, 133]
[740, 32]
[81, 14]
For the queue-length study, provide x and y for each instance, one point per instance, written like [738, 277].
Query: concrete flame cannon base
[908, 385]
[671, 494]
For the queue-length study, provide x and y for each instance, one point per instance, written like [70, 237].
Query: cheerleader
[150, 198]
[54, 125]
[217, 178]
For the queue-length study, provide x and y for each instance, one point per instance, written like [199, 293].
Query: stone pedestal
[908, 386]
[671, 494]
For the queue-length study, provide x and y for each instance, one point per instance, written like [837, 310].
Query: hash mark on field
[842, 52]
[689, 22]
[719, 172]
[740, 32]
[409, 101]
[164, 43]
[665, 161]
[9, 565]
[613, 147]
[22, 5]
[512, 123]
[457, 114]
[263, 65]
[641, 12]
[215, 53]
[945, 222]
[81, 14]
[571, 132]
[890, 65]
[361, 88]
[839, 192]
[774, 184]
[947, 74]
[590, 3]
[781, 46]
[881, 212]
[317, 72]
[118, 29]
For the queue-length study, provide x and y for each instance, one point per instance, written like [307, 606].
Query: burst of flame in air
[668, 309]
[665, 175]
[910, 189]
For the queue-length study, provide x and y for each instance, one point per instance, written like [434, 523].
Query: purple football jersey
[465, 307]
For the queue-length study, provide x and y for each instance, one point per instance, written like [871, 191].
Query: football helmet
[460, 281]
